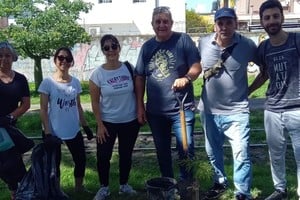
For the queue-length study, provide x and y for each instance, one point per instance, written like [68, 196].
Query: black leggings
[77, 150]
[127, 134]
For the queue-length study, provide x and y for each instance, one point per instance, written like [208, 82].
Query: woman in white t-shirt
[62, 113]
[114, 107]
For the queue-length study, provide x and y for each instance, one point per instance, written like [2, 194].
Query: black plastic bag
[22, 143]
[41, 181]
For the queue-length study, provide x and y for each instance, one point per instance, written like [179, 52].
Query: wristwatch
[188, 78]
[11, 117]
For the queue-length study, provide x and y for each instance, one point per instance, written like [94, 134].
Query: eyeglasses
[62, 58]
[112, 47]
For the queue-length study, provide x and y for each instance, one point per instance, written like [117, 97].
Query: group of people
[167, 65]
[224, 106]
[169, 62]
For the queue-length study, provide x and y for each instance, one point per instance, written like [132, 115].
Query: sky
[200, 6]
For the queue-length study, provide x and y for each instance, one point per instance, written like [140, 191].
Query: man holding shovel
[168, 63]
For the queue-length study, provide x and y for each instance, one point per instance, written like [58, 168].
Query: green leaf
[42, 26]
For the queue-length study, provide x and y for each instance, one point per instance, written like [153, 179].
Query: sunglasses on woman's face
[62, 58]
[112, 47]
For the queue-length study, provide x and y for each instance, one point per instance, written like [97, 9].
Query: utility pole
[225, 3]
[3, 22]
[156, 3]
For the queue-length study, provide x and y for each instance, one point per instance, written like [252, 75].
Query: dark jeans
[77, 150]
[161, 127]
[12, 168]
[127, 134]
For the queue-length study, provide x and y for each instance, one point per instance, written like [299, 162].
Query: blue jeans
[161, 127]
[234, 128]
[280, 126]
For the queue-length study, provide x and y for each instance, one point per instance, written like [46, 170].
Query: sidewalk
[255, 104]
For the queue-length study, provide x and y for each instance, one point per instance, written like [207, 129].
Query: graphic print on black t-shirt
[161, 63]
[280, 70]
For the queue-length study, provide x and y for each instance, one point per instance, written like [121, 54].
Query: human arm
[49, 139]
[191, 61]
[259, 80]
[259, 60]
[11, 118]
[24, 104]
[140, 92]
[44, 100]
[193, 73]
[22, 96]
[95, 93]
[23, 107]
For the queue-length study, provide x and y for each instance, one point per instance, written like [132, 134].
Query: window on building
[137, 1]
[104, 1]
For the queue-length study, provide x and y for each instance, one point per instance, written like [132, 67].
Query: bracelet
[11, 117]
[188, 78]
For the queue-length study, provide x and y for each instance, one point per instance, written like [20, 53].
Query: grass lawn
[145, 165]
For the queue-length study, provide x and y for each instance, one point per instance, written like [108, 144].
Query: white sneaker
[102, 193]
[126, 189]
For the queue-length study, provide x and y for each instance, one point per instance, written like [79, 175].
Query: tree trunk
[38, 73]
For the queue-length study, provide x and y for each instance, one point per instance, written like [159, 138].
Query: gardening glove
[88, 132]
[6, 120]
[51, 141]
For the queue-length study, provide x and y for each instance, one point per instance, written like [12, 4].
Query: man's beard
[273, 29]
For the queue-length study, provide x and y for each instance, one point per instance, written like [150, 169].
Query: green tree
[42, 26]
[196, 23]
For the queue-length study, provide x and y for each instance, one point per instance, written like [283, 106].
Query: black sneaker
[215, 191]
[278, 195]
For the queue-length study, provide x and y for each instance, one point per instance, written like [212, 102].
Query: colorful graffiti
[89, 56]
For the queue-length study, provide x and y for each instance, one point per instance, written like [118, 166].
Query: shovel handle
[182, 122]
[183, 130]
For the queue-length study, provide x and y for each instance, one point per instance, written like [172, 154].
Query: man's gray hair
[162, 9]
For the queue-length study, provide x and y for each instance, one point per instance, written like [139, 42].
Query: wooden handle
[183, 130]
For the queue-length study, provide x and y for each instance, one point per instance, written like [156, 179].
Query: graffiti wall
[89, 56]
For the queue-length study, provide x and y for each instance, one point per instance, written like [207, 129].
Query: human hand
[88, 132]
[180, 83]
[51, 141]
[141, 115]
[102, 134]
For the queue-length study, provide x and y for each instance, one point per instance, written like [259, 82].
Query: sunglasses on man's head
[62, 58]
[161, 9]
[112, 47]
